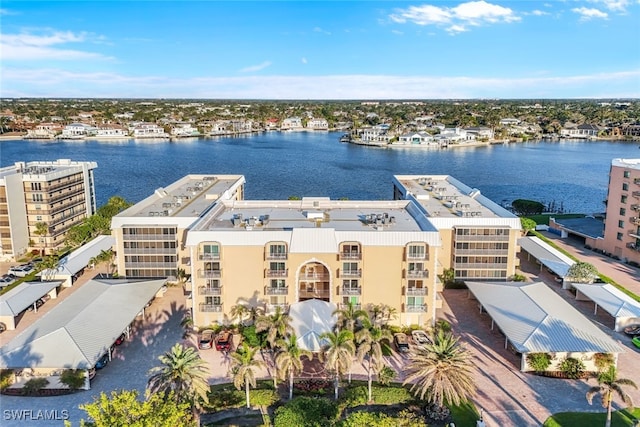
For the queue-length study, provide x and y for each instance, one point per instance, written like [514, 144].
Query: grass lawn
[544, 218]
[465, 415]
[622, 418]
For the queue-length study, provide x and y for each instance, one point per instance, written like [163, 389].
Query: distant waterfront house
[378, 133]
[77, 130]
[317, 124]
[148, 130]
[44, 131]
[416, 138]
[111, 131]
[184, 130]
[580, 131]
[509, 122]
[479, 132]
[292, 123]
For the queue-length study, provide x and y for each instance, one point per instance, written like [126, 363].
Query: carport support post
[492, 324]
[595, 310]
[506, 342]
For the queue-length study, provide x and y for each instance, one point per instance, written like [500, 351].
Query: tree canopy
[527, 207]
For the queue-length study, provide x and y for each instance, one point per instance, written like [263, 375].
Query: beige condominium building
[57, 193]
[622, 224]
[274, 253]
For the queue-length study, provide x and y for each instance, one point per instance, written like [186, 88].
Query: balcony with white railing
[636, 194]
[413, 291]
[350, 256]
[276, 255]
[350, 273]
[346, 306]
[210, 290]
[276, 273]
[634, 220]
[272, 290]
[633, 246]
[346, 290]
[209, 256]
[417, 256]
[211, 308]
[272, 308]
[635, 207]
[209, 274]
[635, 234]
[415, 308]
[307, 293]
[636, 181]
[416, 274]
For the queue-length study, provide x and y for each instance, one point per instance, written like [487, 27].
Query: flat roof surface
[77, 332]
[48, 170]
[612, 300]
[189, 196]
[549, 256]
[536, 319]
[626, 163]
[587, 226]
[24, 295]
[445, 196]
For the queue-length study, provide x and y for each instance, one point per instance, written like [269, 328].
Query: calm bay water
[278, 165]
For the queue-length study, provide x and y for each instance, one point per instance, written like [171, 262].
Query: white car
[21, 270]
[420, 338]
[6, 280]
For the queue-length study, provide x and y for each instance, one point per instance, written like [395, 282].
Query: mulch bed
[40, 393]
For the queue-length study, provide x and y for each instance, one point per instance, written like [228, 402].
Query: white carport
[548, 256]
[78, 260]
[535, 319]
[81, 329]
[624, 309]
[309, 320]
[22, 297]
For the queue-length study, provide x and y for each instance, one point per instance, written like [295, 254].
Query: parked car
[21, 270]
[120, 339]
[420, 338]
[6, 280]
[3, 327]
[206, 339]
[402, 342]
[223, 341]
[92, 373]
[102, 362]
[38, 303]
[636, 341]
[632, 330]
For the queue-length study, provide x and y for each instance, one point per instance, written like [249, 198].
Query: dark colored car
[223, 341]
[206, 339]
[402, 342]
[102, 362]
[632, 330]
[38, 303]
[120, 339]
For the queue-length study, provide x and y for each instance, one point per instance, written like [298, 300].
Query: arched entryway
[314, 282]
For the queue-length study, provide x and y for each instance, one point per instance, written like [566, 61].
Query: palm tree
[338, 353]
[608, 385]
[184, 374]
[239, 311]
[277, 326]
[42, 229]
[442, 371]
[289, 359]
[243, 367]
[49, 266]
[370, 341]
[187, 326]
[349, 316]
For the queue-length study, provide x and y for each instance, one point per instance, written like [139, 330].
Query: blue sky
[321, 50]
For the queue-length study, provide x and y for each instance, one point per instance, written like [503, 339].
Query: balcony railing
[133, 264]
[636, 194]
[150, 251]
[636, 181]
[350, 273]
[355, 306]
[210, 290]
[635, 234]
[211, 308]
[63, 184]
[635, 207]
[635, 220]
[421, 256]
[494, 265]
[485, 252]
[315, 293]
[271, 308]
[209, 257]
[633, 246]
[273, 255]
[345, 290]
[481, 238]
[314, 277]
[209, 274]
[276, 273]
[417, 308]
[413, 291]
[162, 237]
[272, 290]
[350, 255]
[416, 274]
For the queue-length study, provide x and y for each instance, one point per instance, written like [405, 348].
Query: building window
[623, 199]
[623, 211]
[278, 283]
[625, 186]
[416, 251]
[277, 251]
[627, 174]
[619, 236]
[620, 224]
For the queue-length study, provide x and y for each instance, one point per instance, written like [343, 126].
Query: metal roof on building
[612, 300]
[24, 295]
[79, 259]
[78, 332]
[536, 319]
[549, 256]
[309, 320]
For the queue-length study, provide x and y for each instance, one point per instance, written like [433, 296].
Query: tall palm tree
[349, 316]
[289, 359]
[608, 385]
[49, 266]
[42, 229]
[277, 326]
[243, 367]
[338, 354]
[239, 311]
[184, 374]
[370, 342]
[442, 371]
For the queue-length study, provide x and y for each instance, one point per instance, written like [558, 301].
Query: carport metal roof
[612, 300]
[24, 295]
[79, 259]
[549, 256]
[78, 331]
[536, 319]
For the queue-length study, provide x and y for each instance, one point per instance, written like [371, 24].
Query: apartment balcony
[635, 207]
[350, 273]
[271, 290]
[151, 237]
[346, 306]
[438, 301]
[276, 256]
[67, 195]
[416, 274]
[345, 290]
[420, 257]
[209, 274]
[415, 308]
[636, 194]
[150, 251]
[210, 290]
[208, 257]
[276, 273]
[357, 256]
[315, 277]
[63, 184]
[211, 308]
[634, 220]
[138, 265]
[633, 246]
[314, 293]
[636, 181]
[482, 238]
[482, 252]
[635, 234]
[272, 308]
[439, 285]
[413, 291]
[480, 265]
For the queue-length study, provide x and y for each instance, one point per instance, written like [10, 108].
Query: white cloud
[303, 60]
[320, 30]
[257, 67]
[587, 14]
[62, 83]
[27, 47]
[540, 13]
[458, 18]
[397, 33]
[6, 12]
[613, 5]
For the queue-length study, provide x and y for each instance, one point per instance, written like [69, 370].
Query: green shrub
[572, 368]
[73, 378]
[386, 375]
[442, 325]
[381, 395]
[306, 412]
[6, 378]
[260, 397]
[34, 385]
[603, 360]
[226, 399]
[253, 338]
[539, 362]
